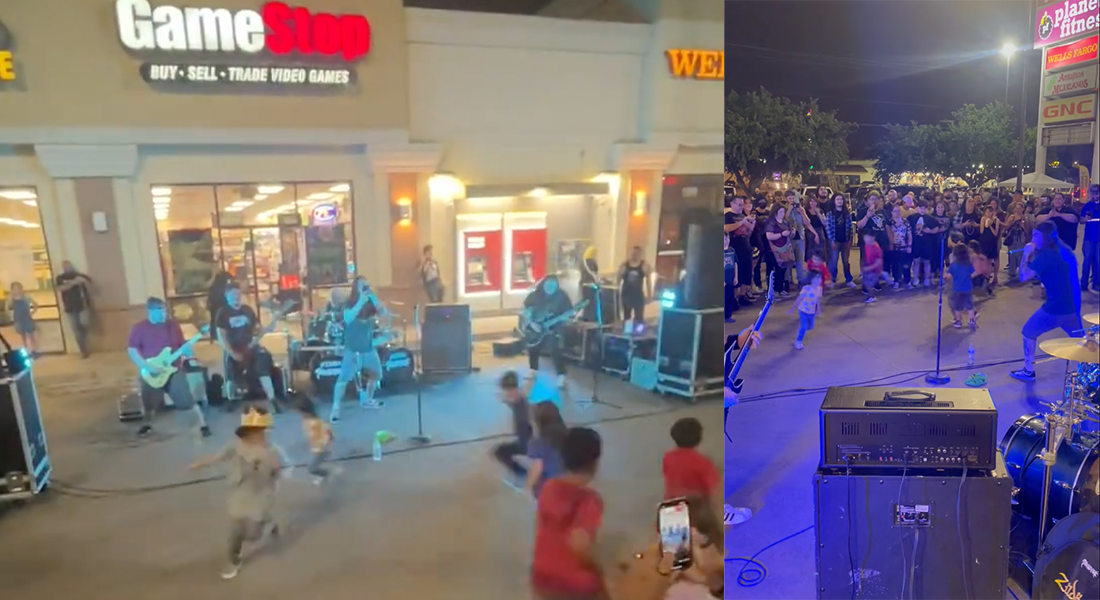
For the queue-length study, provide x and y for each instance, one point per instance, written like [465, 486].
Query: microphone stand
[595, 399]
[938, 378]
[420, 438]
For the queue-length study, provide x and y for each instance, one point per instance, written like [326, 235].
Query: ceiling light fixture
[161, 191]
[270, 189]
[340, 188]
[259, 197]
[30, 202]
[18, 194]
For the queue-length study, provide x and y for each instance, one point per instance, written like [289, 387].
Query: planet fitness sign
[278, 32]
[1065, 20]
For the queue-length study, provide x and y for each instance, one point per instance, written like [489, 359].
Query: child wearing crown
[254, 469]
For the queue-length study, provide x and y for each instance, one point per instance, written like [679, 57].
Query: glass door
[237, 257]
[266, 261]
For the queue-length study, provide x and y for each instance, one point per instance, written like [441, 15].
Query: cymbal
[1076, 349]
[1092, 319]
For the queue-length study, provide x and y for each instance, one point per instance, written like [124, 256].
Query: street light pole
[1008, 74]
[1023, 109]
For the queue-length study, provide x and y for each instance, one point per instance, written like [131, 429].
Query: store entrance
[254, 258]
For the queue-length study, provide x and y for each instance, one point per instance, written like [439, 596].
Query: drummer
[359, 314]
[1055, 265]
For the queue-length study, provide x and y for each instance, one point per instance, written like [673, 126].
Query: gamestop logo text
[277, 29]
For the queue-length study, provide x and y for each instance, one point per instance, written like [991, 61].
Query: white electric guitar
[164, 364]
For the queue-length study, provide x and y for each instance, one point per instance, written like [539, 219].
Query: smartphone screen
[674, 525]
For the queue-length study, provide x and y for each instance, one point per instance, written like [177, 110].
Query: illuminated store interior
[25, 259]
[279, 242]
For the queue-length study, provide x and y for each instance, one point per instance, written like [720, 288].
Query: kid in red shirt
[689, 474]
[568, 519]
[871, 269]
[816, 264]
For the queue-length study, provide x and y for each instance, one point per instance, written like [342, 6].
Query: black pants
[434, 289]
[506, 454]
[633, 307]
[552, 344]
[900, 265]
[731, 299]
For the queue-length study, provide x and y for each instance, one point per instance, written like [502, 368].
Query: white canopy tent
[1038, 181]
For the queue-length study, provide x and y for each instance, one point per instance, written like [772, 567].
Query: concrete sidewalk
[770, 465]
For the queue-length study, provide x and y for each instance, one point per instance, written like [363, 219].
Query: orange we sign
[697, 64]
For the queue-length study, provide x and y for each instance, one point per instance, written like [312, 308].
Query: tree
[766, 134]
[976, 144]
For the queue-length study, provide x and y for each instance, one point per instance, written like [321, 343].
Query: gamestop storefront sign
[1065, 20]
[278, 45]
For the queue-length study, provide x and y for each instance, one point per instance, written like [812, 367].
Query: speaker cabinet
[24, 458]
[689, 351]
[877, 532]
[703, 287]
[446, 344]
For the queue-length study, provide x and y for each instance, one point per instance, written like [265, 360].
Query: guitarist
[547, 302]
[239, 336]
[358, 315]
[186, 388]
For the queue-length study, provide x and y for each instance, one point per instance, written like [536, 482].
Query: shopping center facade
[159, 144]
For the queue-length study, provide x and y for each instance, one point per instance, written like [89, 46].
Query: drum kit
[321, 353]
[1052, 457]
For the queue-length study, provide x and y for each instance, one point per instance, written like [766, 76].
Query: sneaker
[372, 404]
[145, 430]
[957, 324]
[973, 325]
[927, 283]
[731, 320]
[735, 515]
[231, 571]
[897, 286]
[1023, 374]
[798, 346]
[333, 417]
[852, 284]
[870, 300]
[784, 295]
[910, 286]
[746, 301]
[205, 432]
[561, 382]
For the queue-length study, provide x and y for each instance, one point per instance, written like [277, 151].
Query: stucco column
[401, 210]
[96, 238]
[642, 168]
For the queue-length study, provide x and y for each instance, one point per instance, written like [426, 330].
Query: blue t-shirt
[1057, 270]
[1089, 214]
[552, 465]
[731, 262]
[960, 277]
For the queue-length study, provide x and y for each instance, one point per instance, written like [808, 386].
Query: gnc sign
[1078, 108]
[277, 29]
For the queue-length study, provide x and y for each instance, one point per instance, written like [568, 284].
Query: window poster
[191, 258]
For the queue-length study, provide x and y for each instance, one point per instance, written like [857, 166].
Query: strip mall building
[286, 143]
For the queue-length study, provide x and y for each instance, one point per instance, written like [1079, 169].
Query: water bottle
[377, 454]
[970, 356]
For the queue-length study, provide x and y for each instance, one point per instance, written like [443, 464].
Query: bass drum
[324, 370]
[398, 366]
[1074, 477]
[1069, 560]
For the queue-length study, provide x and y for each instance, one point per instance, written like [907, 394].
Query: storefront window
[25, 265]
[280, 242]
[684, 200]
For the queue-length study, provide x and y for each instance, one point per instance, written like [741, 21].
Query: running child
[21, 307]
[687, 472]
[808, 304]
[544, 449]
[254, 469]
[961, 273]
[515, 399]
[872, 267]
[319, 435]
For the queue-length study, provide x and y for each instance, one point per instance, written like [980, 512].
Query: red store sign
[1072, 54]
[277, 29]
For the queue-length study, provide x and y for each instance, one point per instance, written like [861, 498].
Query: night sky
[881, 61]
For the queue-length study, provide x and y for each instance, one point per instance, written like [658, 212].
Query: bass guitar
[734, 366]
[536, 330]
[163, 365]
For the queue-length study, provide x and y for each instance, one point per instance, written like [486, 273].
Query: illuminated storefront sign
[696, 64]
[1081, 79]
[281, 33]
[1065, 20]
[7, 59]
[1078, 108]
[324, 213]
[1071, 54]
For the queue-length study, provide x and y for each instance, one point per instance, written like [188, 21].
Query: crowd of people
[903, 241]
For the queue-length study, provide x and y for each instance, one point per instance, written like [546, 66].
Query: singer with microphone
[1055, 265]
